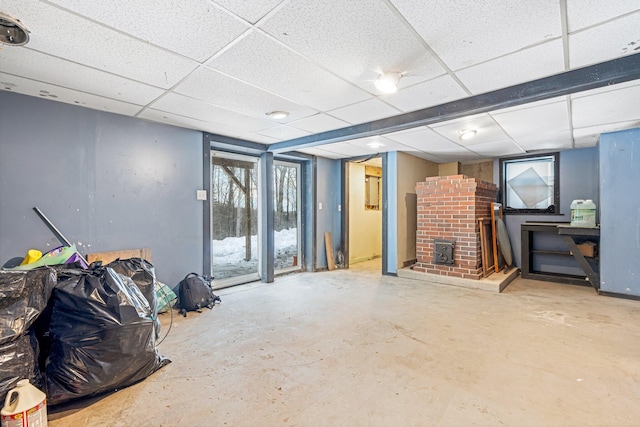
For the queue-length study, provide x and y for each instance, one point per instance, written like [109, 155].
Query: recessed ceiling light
[12, 31]
[467, 134]
[277, 115]
[388, 82]
[375, 144]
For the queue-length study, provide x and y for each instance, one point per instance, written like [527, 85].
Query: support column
[266, 215]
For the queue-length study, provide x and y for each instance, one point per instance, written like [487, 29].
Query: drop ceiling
[220, 66]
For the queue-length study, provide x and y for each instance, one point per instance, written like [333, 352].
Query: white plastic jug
[24, 406]
[583, 213]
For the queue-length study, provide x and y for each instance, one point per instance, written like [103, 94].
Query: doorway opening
[365, 210]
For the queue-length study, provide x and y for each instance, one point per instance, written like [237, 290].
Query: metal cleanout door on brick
[234, 218]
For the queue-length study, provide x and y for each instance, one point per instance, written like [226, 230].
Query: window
[530, 184]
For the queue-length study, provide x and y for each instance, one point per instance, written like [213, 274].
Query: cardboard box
[587, 249]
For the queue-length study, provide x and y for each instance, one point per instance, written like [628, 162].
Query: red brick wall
[449, 208]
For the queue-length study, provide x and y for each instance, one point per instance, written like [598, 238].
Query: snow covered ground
[229, 253]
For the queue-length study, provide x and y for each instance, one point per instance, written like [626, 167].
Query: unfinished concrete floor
[352, 348]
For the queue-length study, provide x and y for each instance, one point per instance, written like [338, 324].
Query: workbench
[569, 235]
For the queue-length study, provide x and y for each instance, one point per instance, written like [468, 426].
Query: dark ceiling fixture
[12, 31]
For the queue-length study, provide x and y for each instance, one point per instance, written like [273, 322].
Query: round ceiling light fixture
[388, 82]
[12, 31]
[277, 115]
[468, 134]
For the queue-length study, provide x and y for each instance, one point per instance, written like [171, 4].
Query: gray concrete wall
[620, 212]
[328, 218]
[107, 182]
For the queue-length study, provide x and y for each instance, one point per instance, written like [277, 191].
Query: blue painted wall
[329, 187]
[578, 180]
[107, 182]
[620, 212]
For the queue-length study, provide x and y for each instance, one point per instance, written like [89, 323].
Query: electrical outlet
[201, 194]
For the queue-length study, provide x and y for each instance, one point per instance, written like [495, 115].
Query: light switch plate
[201, 194]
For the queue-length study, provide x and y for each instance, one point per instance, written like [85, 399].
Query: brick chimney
[448, 211]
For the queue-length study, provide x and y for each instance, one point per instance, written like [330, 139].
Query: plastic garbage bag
[101, 334]
[23, 296]
[143, 274]
[19, 360]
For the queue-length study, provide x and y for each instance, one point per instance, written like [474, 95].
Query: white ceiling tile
[84, 42]
[422, 138]
[584, 13]
[38, 66]
[546, 139]
[560, 141]
[377, 144]
[190, 123]
[497, 148]
[174, 119]
[486, 127]
[519, 67]
[319, 123]
[562, 98]
[283, 132]
[607, 41]
[466, 33]
[251, 11]
[427, 94]
[195, 29]
[608, 107]
[457, 154]
[372, 109]
[366, 38]
[587, 135]
[219, 89]
[68, 96]
[262, 139]
[266, 64]
[314, 151]
[200, 110]
[533, 123]
[604, 89]
[346, 149]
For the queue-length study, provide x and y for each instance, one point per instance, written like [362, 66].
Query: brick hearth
[449, 208]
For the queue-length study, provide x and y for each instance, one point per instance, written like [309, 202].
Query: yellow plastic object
[32, 256]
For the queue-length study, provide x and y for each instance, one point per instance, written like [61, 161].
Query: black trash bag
[23, 296]
[18, 361]
[143, 274]
[101, 334]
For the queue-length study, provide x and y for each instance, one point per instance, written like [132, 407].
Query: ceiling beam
[595, 76]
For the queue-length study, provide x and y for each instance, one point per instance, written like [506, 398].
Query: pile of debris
[77, 332]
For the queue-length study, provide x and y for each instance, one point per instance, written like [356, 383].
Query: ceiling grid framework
[220, 66]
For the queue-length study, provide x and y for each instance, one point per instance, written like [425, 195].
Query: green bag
[165, 297]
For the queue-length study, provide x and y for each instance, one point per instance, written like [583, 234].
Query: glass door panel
[286, 216]
[234, 218]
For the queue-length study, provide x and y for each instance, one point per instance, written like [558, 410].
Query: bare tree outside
[234, 216]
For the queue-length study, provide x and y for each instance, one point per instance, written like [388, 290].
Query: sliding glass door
[286, 216]
[234, 218]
